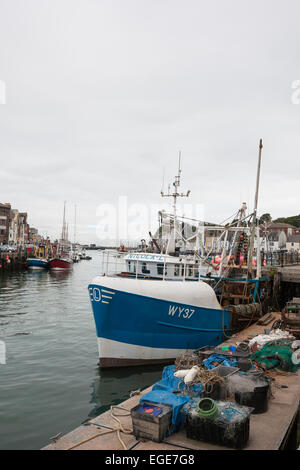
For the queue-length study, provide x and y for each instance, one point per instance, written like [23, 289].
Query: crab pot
[152, 425]
[230, 428]
[251, 389]
[258, 398]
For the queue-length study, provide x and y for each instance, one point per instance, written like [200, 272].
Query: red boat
[62, 260]
[59, 264]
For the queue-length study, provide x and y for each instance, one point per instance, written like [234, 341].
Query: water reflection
[112, 386]
[51, 381]
[60, 275]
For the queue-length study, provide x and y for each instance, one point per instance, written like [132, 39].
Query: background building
[4, 223]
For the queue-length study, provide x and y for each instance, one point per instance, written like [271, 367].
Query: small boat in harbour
[62, 259]
[60, 263]
[37, 263]
[40, 258]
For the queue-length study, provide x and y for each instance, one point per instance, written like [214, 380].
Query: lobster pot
[187, 361]
[250, 389]
[258, 398]
[230, 428]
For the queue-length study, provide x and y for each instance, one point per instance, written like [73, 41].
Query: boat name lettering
[181, 312]
[146, 257]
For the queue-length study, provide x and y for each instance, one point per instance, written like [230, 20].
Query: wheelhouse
[160, 266]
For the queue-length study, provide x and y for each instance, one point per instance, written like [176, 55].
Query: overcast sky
[102, 94]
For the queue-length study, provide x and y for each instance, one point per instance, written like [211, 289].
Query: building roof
[294, 239]
[277, 225]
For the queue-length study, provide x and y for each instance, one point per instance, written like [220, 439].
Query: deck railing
[283, 258]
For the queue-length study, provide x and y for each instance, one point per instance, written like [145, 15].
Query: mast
[254, 220]
[75, 226]
[175, 195]
[63, 232]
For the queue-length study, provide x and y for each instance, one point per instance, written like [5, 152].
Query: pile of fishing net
[275, 355]
[260, 340]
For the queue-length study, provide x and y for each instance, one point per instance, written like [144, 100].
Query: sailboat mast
[75, 226]
[63, 232]
[250, 257]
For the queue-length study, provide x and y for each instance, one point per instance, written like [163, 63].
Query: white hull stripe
[116, 350]
[108, 292]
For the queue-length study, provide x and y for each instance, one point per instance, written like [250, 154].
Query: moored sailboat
[62, 260]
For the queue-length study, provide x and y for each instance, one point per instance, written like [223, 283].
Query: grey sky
[102, 94]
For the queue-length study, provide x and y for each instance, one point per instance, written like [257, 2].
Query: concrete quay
[268, 431]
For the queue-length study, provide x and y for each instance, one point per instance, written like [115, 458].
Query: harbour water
[51, 381]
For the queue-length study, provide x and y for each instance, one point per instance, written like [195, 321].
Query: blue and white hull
[153, 321]
[37, 263]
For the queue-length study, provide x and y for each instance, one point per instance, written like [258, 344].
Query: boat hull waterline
[143, 322]
[37, 263]
[58, 264]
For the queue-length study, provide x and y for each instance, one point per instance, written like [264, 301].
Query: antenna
[176, 194]
[176, 184]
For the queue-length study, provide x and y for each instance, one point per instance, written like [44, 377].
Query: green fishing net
[275, 355]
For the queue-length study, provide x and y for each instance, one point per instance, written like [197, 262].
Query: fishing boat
[37, 263]
[160, 305]
[62, 260]
[40, 256]
[60, 263]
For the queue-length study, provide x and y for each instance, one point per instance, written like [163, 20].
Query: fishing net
[209, 380]
[275, 355]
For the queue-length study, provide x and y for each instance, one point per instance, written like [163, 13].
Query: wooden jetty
[11, 261]
[289, 273]
[268, 431]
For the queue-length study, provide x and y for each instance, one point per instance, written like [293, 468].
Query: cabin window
[145, 269]
[176, 270]
[131, 266]
[160, 269]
